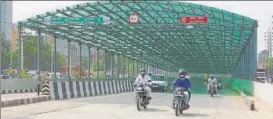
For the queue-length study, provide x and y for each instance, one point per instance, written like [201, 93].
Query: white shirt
[142, 80]
[214, 80]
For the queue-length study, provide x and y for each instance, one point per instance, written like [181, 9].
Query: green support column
[105, 53]
[19, 68]
[69, 59]
[243, 66]
[123, 64]
[89, 61]
[98, 62]
[112, 64]
[128, 67]
[55, 57]
[134, 72]
[137, 67]
[118, 65]
[80, 45]
[38, 48]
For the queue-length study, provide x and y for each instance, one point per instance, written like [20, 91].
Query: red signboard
[193, 19]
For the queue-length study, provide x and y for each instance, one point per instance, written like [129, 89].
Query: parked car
[5, 77]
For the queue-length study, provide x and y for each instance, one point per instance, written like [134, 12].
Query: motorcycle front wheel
[182, 106]
[138, 103]
[211, 92]
[177, 107]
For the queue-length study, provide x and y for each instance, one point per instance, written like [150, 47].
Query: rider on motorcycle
[212, 80]
[144, 79]
[184, 83]
[150, 76]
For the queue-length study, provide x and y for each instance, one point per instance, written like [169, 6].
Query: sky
[259, 10]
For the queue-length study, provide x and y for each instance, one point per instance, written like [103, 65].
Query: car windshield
[158, 78]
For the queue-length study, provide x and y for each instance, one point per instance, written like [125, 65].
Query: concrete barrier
[24, 101]
[74, 89]
[264, 92]
[19, 86]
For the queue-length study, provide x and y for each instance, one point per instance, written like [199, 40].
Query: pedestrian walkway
[8, 100]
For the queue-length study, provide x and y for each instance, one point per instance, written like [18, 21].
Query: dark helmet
[182, 72]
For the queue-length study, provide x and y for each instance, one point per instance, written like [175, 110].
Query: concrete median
[23, 101]
[19, 86]
[74, 89]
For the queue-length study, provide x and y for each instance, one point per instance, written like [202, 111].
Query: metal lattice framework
[158, 38]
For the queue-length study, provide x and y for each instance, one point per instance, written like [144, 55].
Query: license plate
[155, 86]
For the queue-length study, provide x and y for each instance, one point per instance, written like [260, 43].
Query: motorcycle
[180, 101]
[219, 87]
[141, 98]
[212, 89]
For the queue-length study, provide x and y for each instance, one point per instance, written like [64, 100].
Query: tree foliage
[5, 52]
[30, 55]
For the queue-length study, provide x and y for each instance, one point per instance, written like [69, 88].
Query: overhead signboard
[193, 20]
[95, 20]
[77, 20]
[58, 20]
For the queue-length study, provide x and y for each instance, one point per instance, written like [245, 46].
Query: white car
[159, 83]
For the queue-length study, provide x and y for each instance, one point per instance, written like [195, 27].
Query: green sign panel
[58, 20]
[98, 20]
[80, 20]
[77, 20]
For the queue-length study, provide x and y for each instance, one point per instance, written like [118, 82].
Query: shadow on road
[194, 115]
[154, 110]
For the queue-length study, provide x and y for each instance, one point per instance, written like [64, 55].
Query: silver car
[159, 83]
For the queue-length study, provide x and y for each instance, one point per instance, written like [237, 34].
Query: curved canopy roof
[158, 38]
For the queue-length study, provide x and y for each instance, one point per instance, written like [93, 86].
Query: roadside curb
[249, 102]
[24, 101]
[9, 91]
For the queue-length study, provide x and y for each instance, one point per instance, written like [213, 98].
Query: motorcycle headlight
[139, 88]
[186, 93]
[179, 92]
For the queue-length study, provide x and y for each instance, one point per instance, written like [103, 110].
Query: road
[122, 106]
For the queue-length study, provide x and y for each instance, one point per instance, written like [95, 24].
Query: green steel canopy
[158, 38]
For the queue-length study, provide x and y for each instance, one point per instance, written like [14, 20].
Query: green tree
[31, 52]
[5, 52]
[84, 61]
